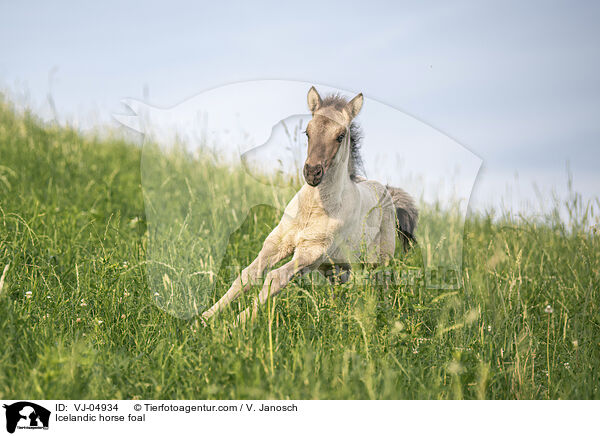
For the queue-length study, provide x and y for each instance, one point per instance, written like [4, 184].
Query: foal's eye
[341, 137]
[306, 133]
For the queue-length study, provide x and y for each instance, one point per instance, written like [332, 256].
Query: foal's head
[331, 135]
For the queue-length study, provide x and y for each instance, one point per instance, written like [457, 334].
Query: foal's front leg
[304, 260]
[269, 255]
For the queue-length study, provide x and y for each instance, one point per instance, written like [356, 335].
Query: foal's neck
[329, 193]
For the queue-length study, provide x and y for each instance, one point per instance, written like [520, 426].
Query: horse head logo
[26, 414]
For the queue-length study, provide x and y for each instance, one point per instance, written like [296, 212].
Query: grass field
[79, 318]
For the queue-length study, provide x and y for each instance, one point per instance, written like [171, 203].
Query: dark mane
[356, 164]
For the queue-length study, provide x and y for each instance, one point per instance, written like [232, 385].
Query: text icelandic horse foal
[336, 219]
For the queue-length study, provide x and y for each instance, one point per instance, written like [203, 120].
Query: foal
[336, 219]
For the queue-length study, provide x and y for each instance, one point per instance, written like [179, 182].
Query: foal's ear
[314, 99]
[353, 107]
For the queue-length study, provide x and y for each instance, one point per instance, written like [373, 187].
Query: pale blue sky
[518, 83]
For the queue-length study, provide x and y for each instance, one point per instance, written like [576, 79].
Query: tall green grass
[79, 318]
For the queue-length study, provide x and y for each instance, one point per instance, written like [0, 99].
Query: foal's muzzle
[313, 174]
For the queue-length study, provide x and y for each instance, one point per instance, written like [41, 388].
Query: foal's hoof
[246, 316]
[242, 317]
[203, 319]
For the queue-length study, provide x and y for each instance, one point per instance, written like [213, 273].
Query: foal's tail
[407, 215]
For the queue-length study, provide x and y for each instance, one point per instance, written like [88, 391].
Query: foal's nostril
[313, 174]
[313, 170]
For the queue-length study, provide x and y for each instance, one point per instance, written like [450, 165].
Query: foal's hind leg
[269, 255]
[336, 273]
[387, 236]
